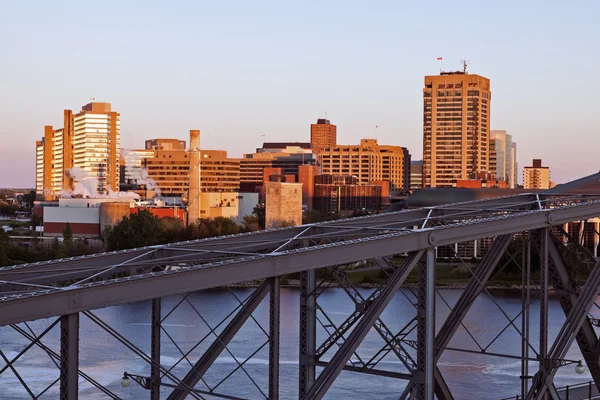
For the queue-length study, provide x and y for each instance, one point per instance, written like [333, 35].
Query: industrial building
[89, 217]
[88, 141]
[369, 162]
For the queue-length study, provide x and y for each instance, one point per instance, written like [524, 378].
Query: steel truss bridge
[61, 292]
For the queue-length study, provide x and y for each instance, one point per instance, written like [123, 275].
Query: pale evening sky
[238, 70]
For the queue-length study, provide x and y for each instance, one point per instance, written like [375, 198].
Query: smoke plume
[136, 172]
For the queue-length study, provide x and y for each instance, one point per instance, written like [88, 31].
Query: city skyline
[237, 75]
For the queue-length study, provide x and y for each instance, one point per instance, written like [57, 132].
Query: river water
[470, 376]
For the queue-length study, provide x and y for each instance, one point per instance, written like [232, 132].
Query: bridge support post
[426, 328]
[274, 311]
[355, 338]
[308, 331]
[155, 350]
[430, 326]
[69, 356]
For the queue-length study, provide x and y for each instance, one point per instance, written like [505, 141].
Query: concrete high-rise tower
[88, 140]
[456, 128]
[323, 134]
[506, 157]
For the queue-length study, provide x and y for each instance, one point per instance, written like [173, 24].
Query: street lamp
[579, 368]
[125, 382]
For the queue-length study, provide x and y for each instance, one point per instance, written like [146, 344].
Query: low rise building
[369, 162]
[335, 194]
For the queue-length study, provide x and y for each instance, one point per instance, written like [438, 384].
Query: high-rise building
[96, 143]
[369, 162]
[536, 176]
[456, 120]
[416, 174]
[505, 151]
[323, 134]
[89, 140]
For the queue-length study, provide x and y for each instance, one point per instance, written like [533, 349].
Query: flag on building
[439, 58]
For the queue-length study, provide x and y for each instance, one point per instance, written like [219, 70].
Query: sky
[238, 70]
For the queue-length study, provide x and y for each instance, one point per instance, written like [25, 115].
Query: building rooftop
[283, 145]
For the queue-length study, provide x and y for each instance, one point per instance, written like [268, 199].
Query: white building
[506, 158]
[96, 143]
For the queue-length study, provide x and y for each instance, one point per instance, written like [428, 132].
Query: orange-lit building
[170, 168]
[481, 183]
[323, 134]
[369, 162]
[456, 128]
[89, 140]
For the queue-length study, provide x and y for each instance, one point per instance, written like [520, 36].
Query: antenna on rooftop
[464, 64]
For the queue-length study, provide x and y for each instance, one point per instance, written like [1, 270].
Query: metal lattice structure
[69, 289]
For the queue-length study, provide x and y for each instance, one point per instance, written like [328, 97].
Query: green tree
[250, 223]
[68, 236]
[210, 227]
[137, 230]
[260, 214]
[172, 229]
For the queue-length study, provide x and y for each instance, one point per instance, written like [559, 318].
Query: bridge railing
[579, 391]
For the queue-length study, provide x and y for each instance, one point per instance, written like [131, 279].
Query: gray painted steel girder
[53, 302]
[212, 353]
[341, 357]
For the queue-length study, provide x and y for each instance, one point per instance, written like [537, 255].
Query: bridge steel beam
[341, 357]
[393, 342]
[308, 332]
[467, 298]
[567, 291]
[55, 301]
[69, 357]
[214, 350]
[542, 383]
[155, 327]
[274, 330]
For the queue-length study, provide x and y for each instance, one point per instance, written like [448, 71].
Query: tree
[250, 223]
[210, 227]
[172, 229]
[68, 236]
[260, 213]
[280, 224]
[137, 230]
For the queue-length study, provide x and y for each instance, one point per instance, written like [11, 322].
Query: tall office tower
[323, 134]
[89, 140]
[369, 162]
[536, 176]
[96, 143]
[456, 120]
[506, 157]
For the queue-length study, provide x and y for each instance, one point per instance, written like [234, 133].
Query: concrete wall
[283, 203]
